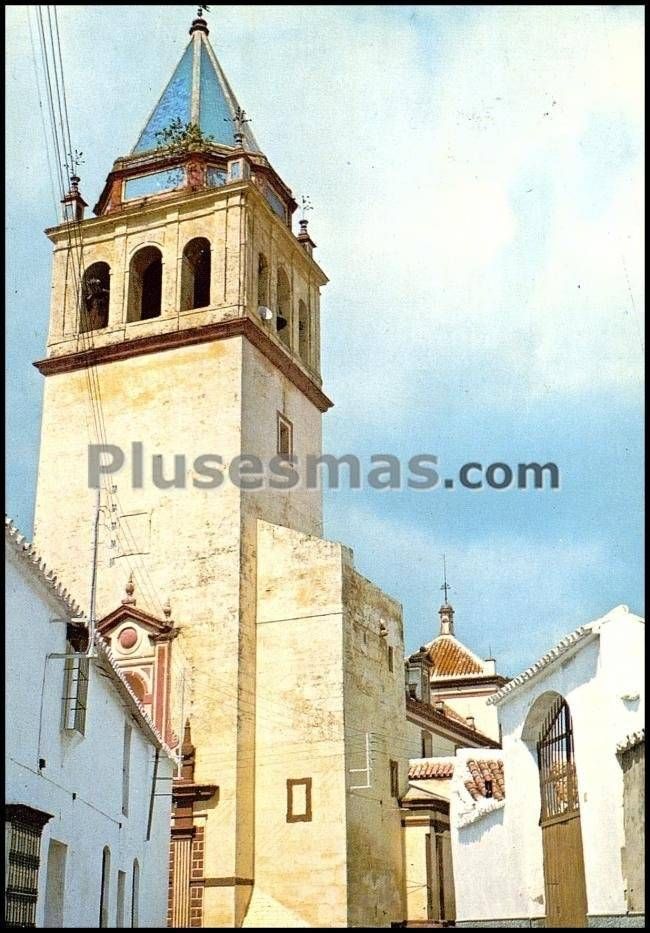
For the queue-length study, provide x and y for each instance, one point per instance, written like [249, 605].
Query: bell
[281, 322]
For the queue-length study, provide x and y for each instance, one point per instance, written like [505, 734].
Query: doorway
[564, 871]
[55, 884]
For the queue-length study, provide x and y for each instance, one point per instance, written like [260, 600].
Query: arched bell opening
[303, 331]
[145, 285]
[195, 274]
[95, 297]
[283, 315]
[262, 281]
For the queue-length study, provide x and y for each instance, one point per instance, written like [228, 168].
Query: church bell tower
[185, 322]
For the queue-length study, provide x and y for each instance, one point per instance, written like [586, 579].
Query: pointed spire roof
[198, 93]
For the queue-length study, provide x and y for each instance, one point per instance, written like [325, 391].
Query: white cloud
[513, 593]
[484, 227]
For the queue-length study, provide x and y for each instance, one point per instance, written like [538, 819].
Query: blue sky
[476, 174]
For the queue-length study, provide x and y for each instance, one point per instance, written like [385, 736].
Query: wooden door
[564, 871]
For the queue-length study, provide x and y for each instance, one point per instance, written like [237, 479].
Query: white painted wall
[81, 783]
[600, 679]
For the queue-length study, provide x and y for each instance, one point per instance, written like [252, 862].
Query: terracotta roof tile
[480, 771]
[72, 609]
[15, 538]
[451, 659]
[426, 770]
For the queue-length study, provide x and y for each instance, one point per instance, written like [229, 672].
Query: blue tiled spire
[199, 93]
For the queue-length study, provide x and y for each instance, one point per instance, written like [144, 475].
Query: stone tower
[185, 322]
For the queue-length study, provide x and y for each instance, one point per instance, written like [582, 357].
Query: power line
[62, 143]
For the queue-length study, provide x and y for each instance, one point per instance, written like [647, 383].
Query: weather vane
[201, 9]
[238, 120]
[74, 163]
[306, 205]
[445, 586]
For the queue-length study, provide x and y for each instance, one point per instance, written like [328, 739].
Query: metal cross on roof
[445, 586]
[201, 9]
[306, 205]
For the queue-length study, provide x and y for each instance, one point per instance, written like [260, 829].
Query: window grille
[23, 859]
[75, 693]
[557, 772]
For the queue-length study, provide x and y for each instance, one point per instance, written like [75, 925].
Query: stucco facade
[78, 779]
[598, 670]
[324, 686]
[632, 757]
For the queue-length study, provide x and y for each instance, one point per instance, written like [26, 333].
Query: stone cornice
[221, 330]
[161, 628]
[471, 680]
[164, 203]
[416, 709]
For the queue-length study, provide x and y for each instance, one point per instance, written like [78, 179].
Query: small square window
[298, 800]
[285, 436]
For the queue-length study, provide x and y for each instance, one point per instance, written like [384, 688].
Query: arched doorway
[564, 870]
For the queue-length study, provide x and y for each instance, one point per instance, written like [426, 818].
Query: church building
[185, 322]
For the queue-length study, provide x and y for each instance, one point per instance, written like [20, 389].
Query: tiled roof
[446, 716]
[579, 636]
[561, 648]
[198, 92]
[425, 769]
[15, 539]
[481, 770]
[631, 741]
[451, 659]
[452, 714]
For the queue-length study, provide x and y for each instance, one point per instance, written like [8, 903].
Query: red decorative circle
[128, 638]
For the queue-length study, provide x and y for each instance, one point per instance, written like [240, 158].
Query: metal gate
[564, 871]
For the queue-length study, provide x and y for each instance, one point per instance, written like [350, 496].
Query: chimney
[73, 204]
[490, 666]
[471, 722]
[304, 238]
[446, 613]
